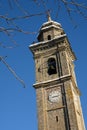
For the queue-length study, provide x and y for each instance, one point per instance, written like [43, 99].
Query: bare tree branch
[20, 7]
[12, 71]
[7, 47]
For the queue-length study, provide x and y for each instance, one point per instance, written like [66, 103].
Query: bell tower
[58, 101]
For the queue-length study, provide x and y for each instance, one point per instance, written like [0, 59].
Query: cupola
[50, 30]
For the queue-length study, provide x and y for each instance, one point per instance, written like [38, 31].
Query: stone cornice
[61, 42]
[57, 81]
[52, 82]
[43, 43]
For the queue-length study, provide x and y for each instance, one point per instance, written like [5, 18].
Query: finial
[48, 15]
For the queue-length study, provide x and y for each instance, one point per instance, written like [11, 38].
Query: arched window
[49, 37]
[52, 66]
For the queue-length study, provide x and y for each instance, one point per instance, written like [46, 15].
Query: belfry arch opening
[51, 66]
[49, 37]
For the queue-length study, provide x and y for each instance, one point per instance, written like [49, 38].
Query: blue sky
[18, 105]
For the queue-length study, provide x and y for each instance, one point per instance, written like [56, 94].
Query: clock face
[54, 96]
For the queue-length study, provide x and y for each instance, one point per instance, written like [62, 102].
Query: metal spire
[48, 16]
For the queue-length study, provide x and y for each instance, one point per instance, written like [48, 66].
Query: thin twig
[12, 71]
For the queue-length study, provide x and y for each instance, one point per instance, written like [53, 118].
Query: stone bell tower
[58, 99]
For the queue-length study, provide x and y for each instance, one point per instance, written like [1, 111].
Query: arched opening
[49, 37]
[52, 66]
[56, 118]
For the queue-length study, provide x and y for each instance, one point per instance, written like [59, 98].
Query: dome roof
[49, 24]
